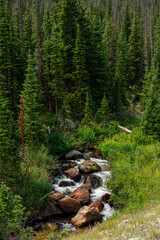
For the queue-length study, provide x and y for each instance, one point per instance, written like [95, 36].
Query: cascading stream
[95, 194]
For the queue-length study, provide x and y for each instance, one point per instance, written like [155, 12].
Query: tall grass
[135, 168]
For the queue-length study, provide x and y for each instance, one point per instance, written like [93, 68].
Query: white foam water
[96, 194]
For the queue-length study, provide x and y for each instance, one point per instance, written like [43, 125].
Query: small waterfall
[95, 194]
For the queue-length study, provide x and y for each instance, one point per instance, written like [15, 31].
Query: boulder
[72, 164]
[49, 210]
[69, 205]
[97, 205]
[86, 215]
[89, 167]
[54, 197]
[96, 153]
[105, 197]
[106, 167]
[86, 186]
[81, 194]
[73, 173]
[74, 155]
[66, 183]
[94, 180]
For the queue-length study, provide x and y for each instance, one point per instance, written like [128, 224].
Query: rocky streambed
[79, 195]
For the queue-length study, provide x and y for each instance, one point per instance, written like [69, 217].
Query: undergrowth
[134, 159]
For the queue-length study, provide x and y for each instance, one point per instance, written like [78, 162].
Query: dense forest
[70, 71]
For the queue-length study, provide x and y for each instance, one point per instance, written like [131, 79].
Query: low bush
[59, 143]
[12, 216]
[135, 168]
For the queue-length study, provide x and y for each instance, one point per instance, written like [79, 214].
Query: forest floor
[137, 225]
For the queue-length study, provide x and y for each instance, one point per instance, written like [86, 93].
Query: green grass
[135, 168]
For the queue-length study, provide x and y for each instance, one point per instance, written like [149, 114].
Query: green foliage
[9, 159]
[59, 143]
[33, 128]
[12, 216]
[135, 168]
[34, 186]
[57, 235]
[151, 117]
[103, 112]
[86, 135]
[136, 55]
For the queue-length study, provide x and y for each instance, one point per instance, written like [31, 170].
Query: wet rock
[54, 197]
[97, 205]
[105, 197]
[86, 186]
[89, 167]
[96, 153]
[94, 180]
[50, 209]
[81, 194]
[69, 205]
[72, 164]
[73, 173]
[86, 215]
[74, 155]
[106, 168]
[66, 183]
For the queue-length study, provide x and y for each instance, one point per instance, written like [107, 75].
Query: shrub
[59, 143]
[135, 168]
[12, 216]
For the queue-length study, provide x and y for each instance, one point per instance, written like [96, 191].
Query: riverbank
[136, 225]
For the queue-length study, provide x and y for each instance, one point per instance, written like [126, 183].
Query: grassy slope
[138, 225]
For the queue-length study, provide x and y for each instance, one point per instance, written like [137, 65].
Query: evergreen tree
[122, 74]
[53, 69]
[136, 54]
[33, 128]
[104, 111]
[80, 77]
[27, 32]
[151, 118]
[126, 24]
[9, 159]
[68, 27]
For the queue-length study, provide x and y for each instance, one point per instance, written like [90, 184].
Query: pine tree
[33, 129]
[27, 32]
[80, 77]
[68, 27]
[104, 111]
[126, 24]
[136, 54]
[53, 69]
[9, 159]
[151, 118]
[122, 75]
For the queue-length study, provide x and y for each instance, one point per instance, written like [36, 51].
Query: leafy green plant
[12, 216]
[135, 168]
[54, 235]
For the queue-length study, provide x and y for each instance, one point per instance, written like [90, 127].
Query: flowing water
[96, 194]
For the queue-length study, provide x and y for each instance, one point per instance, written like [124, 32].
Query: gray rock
[74, 155]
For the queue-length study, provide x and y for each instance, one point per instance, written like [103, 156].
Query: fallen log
[125, 129]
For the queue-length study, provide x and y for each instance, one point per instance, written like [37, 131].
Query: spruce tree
[136, 53]
[9, 159]
[68, 27]
[33, 129]
[151, 118]
[122, 74]
[126, 24]
[80, 77]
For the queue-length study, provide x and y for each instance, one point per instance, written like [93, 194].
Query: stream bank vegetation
[70, 88]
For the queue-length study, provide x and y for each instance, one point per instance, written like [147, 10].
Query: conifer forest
[78, 75]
